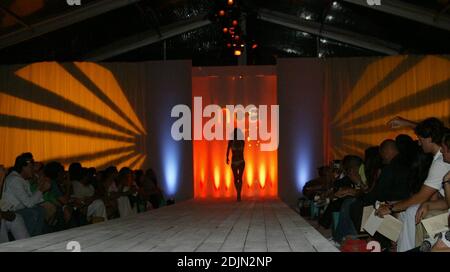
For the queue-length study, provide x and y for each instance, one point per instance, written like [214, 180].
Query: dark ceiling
[133, 30]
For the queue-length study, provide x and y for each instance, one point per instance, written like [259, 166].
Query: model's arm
[228, 151]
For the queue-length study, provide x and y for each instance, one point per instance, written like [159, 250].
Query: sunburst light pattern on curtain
[363, 94]
[68, 112]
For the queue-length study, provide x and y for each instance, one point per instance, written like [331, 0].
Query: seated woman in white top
[85, 197]
[122, 190]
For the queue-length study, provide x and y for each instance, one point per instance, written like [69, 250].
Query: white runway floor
[263, 225]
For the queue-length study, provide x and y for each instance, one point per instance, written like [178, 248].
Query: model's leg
[240, 181]
[234, 168]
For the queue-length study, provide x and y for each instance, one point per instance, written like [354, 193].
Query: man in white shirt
[430, 133]
[10, 221]
[442, 203]
[443, 243]
[17, 193]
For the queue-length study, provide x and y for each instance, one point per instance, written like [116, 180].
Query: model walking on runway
[237, 159]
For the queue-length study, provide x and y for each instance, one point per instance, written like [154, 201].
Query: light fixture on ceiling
[306, 15]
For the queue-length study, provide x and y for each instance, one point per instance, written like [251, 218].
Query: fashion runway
[194, 225]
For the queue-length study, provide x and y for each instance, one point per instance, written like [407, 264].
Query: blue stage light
[171, 159]
[303, 162]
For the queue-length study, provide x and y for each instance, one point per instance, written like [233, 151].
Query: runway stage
[204, 226]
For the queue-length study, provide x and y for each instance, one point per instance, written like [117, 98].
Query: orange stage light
[262, 176]
[260, 173]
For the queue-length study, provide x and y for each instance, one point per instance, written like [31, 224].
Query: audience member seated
[18, 193]
[391, 185]
[443, 243]
[59, 196]
[54, 198]
[85, 199]
[37, 198]
[430, 134]
[10, 221]
[346, 187]
[109, 176]
[439, 206]
[142, 197]
[372, 165]
[320, 185]
[125, 188]
[154, 193]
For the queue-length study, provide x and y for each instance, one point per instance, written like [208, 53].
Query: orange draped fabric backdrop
[67, 112]
[223, 86]
[363, 94]
[99, 114]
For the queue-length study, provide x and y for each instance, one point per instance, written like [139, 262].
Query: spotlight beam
[136, 161]
[87, 82]
[357, 143]
[94, 155]
[30, 124]
[436, 93]
[119, 160]
[351, 150]
[31, 92]
[399, 70]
